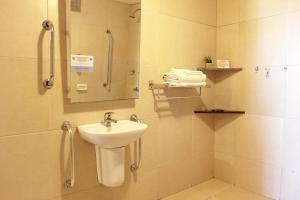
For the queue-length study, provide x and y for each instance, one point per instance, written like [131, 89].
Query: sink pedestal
[110, 166]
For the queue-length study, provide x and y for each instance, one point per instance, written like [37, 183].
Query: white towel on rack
[186, 71]
[182, 78]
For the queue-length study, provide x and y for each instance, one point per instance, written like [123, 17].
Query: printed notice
[82, 63]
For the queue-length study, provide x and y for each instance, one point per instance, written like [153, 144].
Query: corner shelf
[231, 69]
[219, 112]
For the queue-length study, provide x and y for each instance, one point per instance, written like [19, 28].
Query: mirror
[104, 50]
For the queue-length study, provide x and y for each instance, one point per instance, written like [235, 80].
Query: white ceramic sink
[119, 134]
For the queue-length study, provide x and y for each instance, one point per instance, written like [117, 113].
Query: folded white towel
[173, 84]
[185, 71]
[182, 78]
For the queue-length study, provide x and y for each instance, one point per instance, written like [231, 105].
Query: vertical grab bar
[138, 145]
[48, 26]
[107, 85]
[137, 159]
[70, 182]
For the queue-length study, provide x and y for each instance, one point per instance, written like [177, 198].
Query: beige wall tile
[228, 44]
[260, 138]
[174, 177]
[290, 183]
[24, 101]
[25, 24]
[228, 12]
[293, 5]
[34, 166]
[292, 92]
[141, 186]
[293, 38]
[203, 134]
[224, 167]
[174, 142]
[186, 43]
[291, 144]
[262, 43]
[226, 130]
[259, 177]
[201, 11]
[265, 94]
[253, 9]
[202, 168]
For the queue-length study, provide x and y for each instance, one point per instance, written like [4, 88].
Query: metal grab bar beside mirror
[104, 50]
[107, 84]
[48, 26]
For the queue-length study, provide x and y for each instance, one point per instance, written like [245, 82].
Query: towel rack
[162, 86]
[68, 129]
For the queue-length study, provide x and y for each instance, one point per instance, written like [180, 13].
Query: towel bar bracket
[158, 87]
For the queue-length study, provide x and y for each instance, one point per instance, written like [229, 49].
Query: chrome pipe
[48, 26]
[69, 183]
[107, 84]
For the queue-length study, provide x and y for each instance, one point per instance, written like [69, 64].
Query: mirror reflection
[105, 48]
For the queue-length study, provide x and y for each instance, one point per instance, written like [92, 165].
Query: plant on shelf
[208, 61]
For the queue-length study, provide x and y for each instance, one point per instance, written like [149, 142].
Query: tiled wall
[259, 151]
[178, 147]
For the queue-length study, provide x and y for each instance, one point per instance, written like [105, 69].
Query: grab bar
[48, 26]
[137, 159]
[107, 85]
[138, 145]
[70, 182]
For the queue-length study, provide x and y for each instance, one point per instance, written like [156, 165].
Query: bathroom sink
[120, 134]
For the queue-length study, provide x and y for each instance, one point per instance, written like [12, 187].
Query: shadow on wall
[224, 120]
[177, 102]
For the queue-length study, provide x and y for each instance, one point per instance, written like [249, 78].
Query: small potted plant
[208, 61]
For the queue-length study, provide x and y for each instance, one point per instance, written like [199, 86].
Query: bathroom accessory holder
[162, 86]
[48, 26]
[69, 183]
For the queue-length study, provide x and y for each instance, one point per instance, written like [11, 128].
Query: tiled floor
[215, 190]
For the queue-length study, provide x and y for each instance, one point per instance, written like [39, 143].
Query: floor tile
[234, 193]
[215, 190]
[189, 194]
[212, 187]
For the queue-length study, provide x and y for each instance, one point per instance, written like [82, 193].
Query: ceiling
[130, 1]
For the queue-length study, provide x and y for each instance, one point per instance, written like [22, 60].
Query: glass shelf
[231, 69]
[218, 111]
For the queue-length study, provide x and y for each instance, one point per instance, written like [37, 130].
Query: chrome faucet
[108, 120]
[134, 118]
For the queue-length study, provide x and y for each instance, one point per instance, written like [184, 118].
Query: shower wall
[178, 147]
[260, 150]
